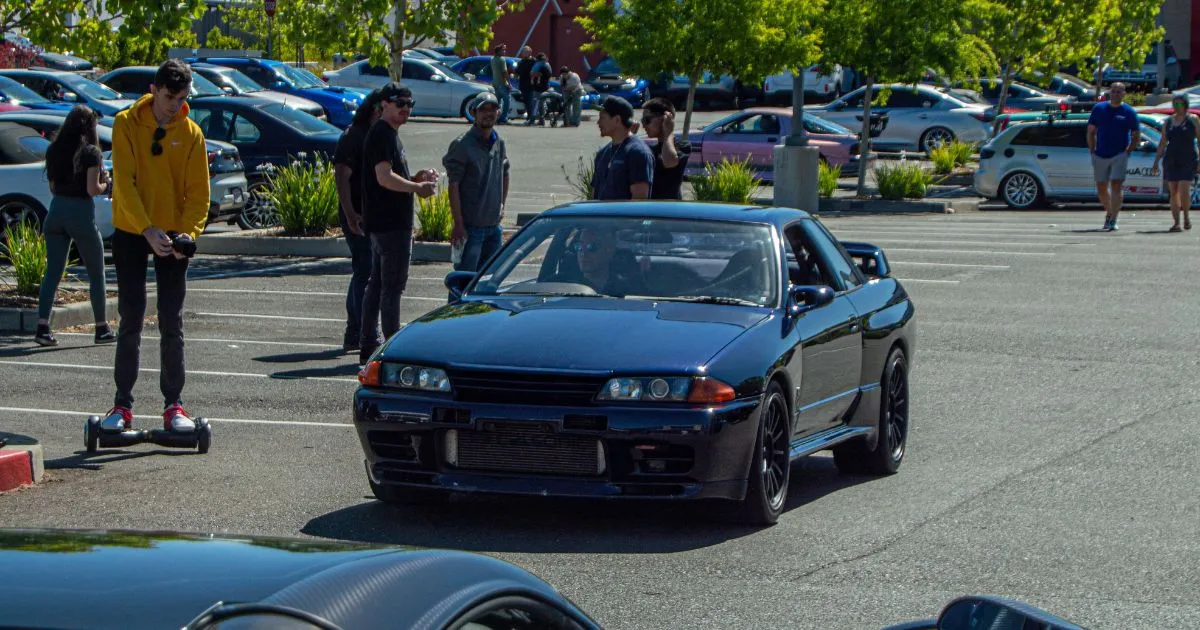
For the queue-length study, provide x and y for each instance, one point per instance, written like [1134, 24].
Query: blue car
[606, 78]
[480, 68]
[631, 350]
[13, 92]
[70, 88]
[339, 103]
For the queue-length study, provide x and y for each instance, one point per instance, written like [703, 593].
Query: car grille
[524, 388]
[528, 447]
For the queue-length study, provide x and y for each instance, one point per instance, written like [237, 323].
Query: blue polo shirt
[1114, 128]
[617, 167]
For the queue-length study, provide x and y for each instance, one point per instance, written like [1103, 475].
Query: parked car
[918, 117]
[686, 351]
[339, 103]
[1062, 83]
[753, 133]
[777, 88]
[15, 93]
[1004, 121]
[606, 78]
[266, 134]
[429, 53]
[711, 91]
[1020, 95]
[24, 189]
[134, 82]
[438, 89]
[67, 87]
[67, 63]
[235, 83]
[479, 68]
[1030, 164]
[1146, 76]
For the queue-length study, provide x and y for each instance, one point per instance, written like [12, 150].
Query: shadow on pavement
[547, 525]
[82, 460]
[301, 357]
[350, 369]
[9, 347]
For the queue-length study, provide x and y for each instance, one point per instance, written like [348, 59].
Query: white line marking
[285, 317]
[61, 412]
[942, 264]
[911, 280]
[967, 251]
[260, 270]
[321, 293]
[232, 342]
[190, 372]
[984, 243]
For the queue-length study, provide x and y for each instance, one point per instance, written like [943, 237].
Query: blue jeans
[360, 265]
[574, 108]
[482, 243]
[502, 93]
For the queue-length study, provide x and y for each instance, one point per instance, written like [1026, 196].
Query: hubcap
[15, 213]
[775, 454]
[259, 211]
[1020, 190]
[937, 138]
[896, 419]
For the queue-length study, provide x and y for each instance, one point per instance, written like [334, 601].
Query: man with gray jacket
[477, 166]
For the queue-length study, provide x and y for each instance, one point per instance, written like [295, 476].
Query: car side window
[416, 72]
[259, 75]
[245, 131]
[373, 71]
[214, 123]
[903, 97]
[805, 267]
[1030, 135]
[831, 255]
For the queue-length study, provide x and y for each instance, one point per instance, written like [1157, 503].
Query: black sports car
[642, 349]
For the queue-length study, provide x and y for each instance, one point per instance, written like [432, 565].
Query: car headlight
[665, 389]
[404, 376]
[630, 82]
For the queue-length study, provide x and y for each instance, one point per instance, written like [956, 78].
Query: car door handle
[1042, 156]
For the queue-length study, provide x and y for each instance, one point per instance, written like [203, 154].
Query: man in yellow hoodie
[160, 186]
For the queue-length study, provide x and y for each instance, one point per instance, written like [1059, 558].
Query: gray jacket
[479, 166]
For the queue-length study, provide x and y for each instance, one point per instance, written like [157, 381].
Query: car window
[215, 124]
[35, 144]
[127, 83]
[244, 131]
[18, 93]
[755, 124]
[300, 121]
[87, 88]
[815, 258]
[372, 71]
[260, 75]
[1062, 136]
[812, 124]
[414, 71]
[477, 67]
[855, 101]
[903, 97]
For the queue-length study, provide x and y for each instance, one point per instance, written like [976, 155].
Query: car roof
[680, 210]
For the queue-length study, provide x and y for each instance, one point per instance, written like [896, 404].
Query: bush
[962, 151]
[730, 182]
[434, 216]
[943, 159]
[902, 180]
[827, 179]
[305, 196]
[582, 184]
[24, 247]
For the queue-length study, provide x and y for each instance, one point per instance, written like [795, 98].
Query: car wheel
[403, 495]
[1021, 191]
[935, 137]
[892, 442]
[770, 468]
[18, 209]
[462, 109]
[259, 211]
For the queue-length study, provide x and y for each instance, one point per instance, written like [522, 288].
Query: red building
[547, 26]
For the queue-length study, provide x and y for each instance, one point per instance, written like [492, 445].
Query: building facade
[548, 26]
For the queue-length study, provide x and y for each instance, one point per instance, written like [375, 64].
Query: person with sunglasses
[160, 187]
[388, 215]
[1180, 133]
[670, 158]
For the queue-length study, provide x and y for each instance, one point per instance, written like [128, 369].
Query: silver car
[438, 90]
[918, 117]
[1034, 163]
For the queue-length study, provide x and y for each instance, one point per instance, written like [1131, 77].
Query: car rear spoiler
[871, 259]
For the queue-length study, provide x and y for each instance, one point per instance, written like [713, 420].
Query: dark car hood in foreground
[589, 334]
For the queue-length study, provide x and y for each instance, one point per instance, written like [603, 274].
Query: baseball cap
[619, 107]
[394, 90]
[484, 98]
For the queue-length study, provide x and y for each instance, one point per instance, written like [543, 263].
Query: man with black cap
[477, 166]
[624, 168]
[388, 215]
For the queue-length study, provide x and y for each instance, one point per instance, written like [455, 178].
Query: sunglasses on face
[403, 102]
[156, 147]
[589, 247]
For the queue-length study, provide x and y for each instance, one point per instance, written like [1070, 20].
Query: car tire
[935, 137]
[17, 209]
[1021, 191]
[403, 495]
[462, 109]
[259, 211]
[770, 465]
[893, 426]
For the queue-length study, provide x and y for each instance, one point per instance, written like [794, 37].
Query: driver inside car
[605, 268]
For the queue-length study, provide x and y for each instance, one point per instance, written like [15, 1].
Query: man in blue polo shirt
[1113, 133]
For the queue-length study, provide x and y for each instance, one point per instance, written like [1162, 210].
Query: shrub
[582, 183]
[902, 180]
[962, 151]
[731, 182]
[305, 196]
[24, 247]
[827, 179]
[434, 216]
[943, 159]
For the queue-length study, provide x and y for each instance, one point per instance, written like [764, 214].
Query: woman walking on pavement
[1181, 132]
[75, 169]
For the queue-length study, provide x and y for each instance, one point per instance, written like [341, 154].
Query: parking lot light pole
[796, 161]
[1161, 68]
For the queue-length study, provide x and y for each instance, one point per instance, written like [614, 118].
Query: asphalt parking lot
[1053, 454]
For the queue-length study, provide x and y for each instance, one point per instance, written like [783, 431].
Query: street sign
[269, 5]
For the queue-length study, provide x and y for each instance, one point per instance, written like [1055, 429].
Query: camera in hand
[183, 243]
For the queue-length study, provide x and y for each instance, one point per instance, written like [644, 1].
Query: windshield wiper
[698, 299]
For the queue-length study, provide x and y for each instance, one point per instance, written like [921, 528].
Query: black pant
[391, 254]
[129, 253]
[360, 264]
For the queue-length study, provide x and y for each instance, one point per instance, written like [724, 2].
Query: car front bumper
[228, 194]
[621, 452]
[987, 181]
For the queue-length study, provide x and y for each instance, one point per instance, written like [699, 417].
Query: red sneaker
[118, 419]
[176, 419]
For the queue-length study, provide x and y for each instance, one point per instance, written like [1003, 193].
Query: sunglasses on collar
[156, 147]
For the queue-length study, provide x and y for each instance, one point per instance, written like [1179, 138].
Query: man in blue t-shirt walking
[1113, 133]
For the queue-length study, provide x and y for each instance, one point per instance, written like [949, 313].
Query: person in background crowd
[347, 159]
[1181, 132]
[572, 88]
[624, 168]
[539, 81]
[1113, 133]
[524, 70]
[670, 159]
[499, 66]
[477, 166]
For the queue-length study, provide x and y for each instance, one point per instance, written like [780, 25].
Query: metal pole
[1162, 60]
[798, 137]
[270, 35]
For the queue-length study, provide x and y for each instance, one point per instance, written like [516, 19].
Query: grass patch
[305, 196]
[434, 217]
[827, 179]
[729, 181]
[24, 248]
[902, 180]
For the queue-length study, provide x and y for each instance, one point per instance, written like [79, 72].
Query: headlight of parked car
[665, 389]
[404, 376]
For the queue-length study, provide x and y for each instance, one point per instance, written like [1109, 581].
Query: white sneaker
[176, 419]
[118, 419]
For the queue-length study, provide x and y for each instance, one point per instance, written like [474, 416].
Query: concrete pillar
[796, 171]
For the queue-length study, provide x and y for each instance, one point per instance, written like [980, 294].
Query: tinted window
[298, 120]
[756, 124]
[260, 75]
[129, 83]
[244, 131]
[1072, 136]
[907, 98]
[479, 67]
[856, 101]
[833, 259]
[372, 71]
[215, 124]
[414, 71]
[18, 93]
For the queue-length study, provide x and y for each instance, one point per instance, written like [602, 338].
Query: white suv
[777, 88]
[1030, 164]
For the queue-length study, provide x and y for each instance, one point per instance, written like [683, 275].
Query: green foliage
[582, 184]
[216, 39]
[24, 247]
[902, 180]
[434, 216]
[962, 151]
[305, 196]
[730, 181]
[943, 159]
[827, 179]
[1121, 33]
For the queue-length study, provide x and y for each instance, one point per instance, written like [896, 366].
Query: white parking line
[284, 317]
[232, 342]
[341, 294]
[912, 280]
[84, 414]
[981, 243]
[866, 234]
[943, 264]
[259, 270]
[190, 372]
[968, 251]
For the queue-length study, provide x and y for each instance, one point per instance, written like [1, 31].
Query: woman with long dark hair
[1180, 133]
[75, 169]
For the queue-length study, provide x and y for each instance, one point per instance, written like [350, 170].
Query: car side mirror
[870, 259]
[279, 85]
[1147, 147]
[808, 297]
[457, 282]
[226, 89]
[437, 78]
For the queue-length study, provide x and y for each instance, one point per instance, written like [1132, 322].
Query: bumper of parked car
[228, 195]
[987, 181]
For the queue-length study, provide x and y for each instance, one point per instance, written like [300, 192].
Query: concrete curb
[21, 462]
[267, 243]
[24, 320]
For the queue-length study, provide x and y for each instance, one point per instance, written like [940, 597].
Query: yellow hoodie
[168, 191]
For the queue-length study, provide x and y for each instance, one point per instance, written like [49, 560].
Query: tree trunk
[1098, 75]
[396, 67]
[693, 81]
[864, 147]
[1005, 81]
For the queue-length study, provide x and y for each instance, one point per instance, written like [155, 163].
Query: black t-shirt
[349, 152]
[524, 70]
[69, 177]
[668, 182]
[385, 210]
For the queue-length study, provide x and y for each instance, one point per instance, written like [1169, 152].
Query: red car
[10, 107]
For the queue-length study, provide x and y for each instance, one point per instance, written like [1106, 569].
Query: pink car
[754, 133]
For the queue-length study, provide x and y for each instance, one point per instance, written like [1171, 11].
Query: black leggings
[72, 219]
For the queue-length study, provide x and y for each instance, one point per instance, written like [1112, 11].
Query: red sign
[269, 5]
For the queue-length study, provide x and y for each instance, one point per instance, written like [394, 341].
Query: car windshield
[90, 89]
[240, 81]
[685, 260]
[201, 86]
[298, 77]
[298, 120]
[451, 72]
[18, 93]
[813, 124]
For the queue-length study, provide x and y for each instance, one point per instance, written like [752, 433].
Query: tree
[748, 39]
[899, 41]
[1122, 32]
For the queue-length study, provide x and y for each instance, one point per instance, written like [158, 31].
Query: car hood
[586, 334]
[334, 90]
[291, 100]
